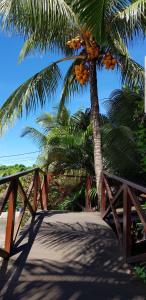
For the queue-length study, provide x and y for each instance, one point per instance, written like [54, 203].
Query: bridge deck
[69, 256]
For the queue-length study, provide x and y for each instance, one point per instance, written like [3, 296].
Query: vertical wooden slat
[40, 191]
[126, 223]
[103, 197]
[45, 192]
[11, 217]
[35, 194]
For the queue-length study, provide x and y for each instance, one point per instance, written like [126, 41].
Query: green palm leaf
[37, 137]
[45, 24]
[30, 94]
[132, 73]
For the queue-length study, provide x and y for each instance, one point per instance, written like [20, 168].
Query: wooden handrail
[17, 175]
[127, 196]
[36, 193]
[38, 190]
[127, 182]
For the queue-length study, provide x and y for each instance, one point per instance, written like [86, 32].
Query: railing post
[11, 217]
[103, 196]
[45, 192]
[40, 191]
[126, 223]
[36, 186]
[88, 188]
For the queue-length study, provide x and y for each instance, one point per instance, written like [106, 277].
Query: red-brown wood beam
[11, 217]
[35, 194]
[126, 223]
[103, 197]
[45, 192]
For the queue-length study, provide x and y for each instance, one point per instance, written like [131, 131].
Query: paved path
[69, 256]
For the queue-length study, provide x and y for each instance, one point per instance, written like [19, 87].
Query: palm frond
[132, 73]
[47, 122]
[30, 14]
[133, 19]
[130, 21]
[44, 24]
[35, 91]
[91, 14]
[37, 137]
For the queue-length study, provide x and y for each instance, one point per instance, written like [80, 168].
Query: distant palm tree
[48, 24]
[65, 142]
[119, 133]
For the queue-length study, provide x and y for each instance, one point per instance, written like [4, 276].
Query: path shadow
[82, 262]
[49, 280]
[12, 269]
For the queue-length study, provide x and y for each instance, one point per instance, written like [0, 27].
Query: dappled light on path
[69, 256]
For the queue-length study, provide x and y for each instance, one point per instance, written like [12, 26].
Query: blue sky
[13, 74]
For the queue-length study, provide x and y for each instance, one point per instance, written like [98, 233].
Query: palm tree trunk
[96, 126]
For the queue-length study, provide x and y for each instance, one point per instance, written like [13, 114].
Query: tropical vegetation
[9, 170]
[65, 142]
[93, 34]
[119, 131]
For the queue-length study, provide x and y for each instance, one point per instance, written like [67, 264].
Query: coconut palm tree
[106, 26]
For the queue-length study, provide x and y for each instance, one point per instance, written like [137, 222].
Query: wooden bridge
[67, 255]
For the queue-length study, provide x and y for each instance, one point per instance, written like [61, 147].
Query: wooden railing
[31, 199]
[123, 206]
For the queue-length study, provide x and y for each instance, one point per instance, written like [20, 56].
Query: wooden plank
[115, 215]
[126, 224]
[17, 175]
[108, 188]
[29, 190]
[26, 201]
[17, 226]
[103, 196]
[35, 194]
[139, 210]
[40, 191]
[118, 225]
[113, 201]
[126, 182]
[5, 197]
[11, 218]
[45, 192]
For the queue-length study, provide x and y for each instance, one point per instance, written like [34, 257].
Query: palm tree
[65, 142]
[47, 24]
[119, 133]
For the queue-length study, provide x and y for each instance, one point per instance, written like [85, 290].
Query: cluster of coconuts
[82, 73]
[74, 43]
[92, 51]
[91, 47]
[109, 61]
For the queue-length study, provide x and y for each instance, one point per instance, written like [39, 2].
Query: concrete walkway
[69, 256]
